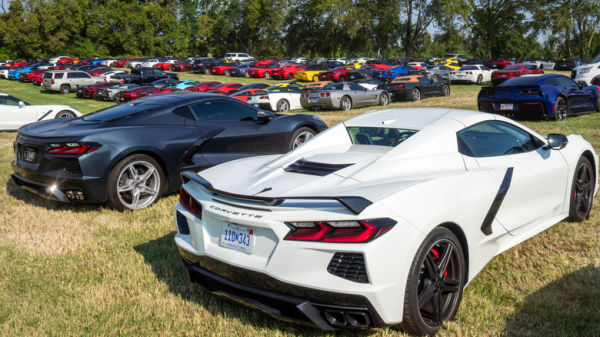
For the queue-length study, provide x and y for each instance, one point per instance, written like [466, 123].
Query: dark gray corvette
[343, 96]
[131, 153]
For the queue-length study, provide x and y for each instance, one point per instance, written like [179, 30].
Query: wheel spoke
[444, 260]
[147, 174]
[135, 199]
[147, 190]
[125, 188]
[437, 307]
[450, 286]
[132, 172]
[430, 265]
[426, 295]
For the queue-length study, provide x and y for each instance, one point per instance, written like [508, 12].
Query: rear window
[120, 111]
[47, 75]
[334, 86]
[379, 136]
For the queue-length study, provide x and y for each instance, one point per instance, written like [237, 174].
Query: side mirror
[21, 104]
[582, 84]
[264, 116]
[556, 141]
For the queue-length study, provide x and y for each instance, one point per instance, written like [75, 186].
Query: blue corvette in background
[130, 154]
[393, 72]
[549, 96]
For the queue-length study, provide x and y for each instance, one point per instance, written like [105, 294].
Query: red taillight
[72, 148]
[322, 94]
[122, 80]
[399, 86]
[339, 231]
[189, 203]
[263, 97]
[327, 94]
[52, 81]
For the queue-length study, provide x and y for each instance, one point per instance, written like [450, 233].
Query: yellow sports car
[357, 65]
[308, 75]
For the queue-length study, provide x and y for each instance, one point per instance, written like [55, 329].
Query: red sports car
[287, 72]
[65, 60]
[164, 65]
[121, 62]
[336, 75]
[204, 86]
[265, 62]
[221, 69]
[88, 91]
[500, 63]
[28, 76]
[381, 66]
[265, 71]
[98, 71]
[227, 88]
[245, 94]
[17, 64]
[181, 66]
[149, 90]
[515, 70]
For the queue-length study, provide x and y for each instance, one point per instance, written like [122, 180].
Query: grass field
[92, 271]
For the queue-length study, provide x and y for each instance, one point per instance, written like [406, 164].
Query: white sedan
[380, 220]
[15, 113]
[279, 99]
[476, 73]
[107, 76]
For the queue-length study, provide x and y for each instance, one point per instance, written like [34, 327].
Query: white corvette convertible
[477, 73]
[381, 220]
[15, 113]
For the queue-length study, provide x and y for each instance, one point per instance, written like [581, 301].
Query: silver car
[438, 73]
[113, 93]
[343, 96]
[65, 81]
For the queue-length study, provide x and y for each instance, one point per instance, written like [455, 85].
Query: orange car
[315, 86]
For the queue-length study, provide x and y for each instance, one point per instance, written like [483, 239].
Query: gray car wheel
[415, 94]
[283, 105]
[65, 89]
[135, 182]
[435, 78]
[345, 103]
[267, 75]
[300, 136]
[384, 99]
[479, 79]
[64, 114]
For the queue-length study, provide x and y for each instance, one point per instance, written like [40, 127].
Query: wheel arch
[588, 154]
[462, 239]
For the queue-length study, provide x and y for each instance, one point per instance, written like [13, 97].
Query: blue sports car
[549, 96]
[130, 154]
[393, 72]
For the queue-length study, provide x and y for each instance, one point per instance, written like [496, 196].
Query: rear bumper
[325, 310]
[521, 110]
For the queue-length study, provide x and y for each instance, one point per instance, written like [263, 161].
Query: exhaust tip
[358, 319]
[335, 318]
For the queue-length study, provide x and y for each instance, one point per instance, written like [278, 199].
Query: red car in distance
[515, 70]
[30, 75]
[65, 60]
[338, 74]
[265, 71]
[181, 66]
[137, 92]
[287, 72]
[120, 63]
[204, 86]
[88, 91]
[245, 94]
[98, 71]
[165, 65]
[265, 62]
[382, 66]
[227, 88]
[17, 64]
[500, 63]
[221, 69]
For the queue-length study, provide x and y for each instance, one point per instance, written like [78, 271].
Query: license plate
[314, 99]
[29, 154]
[506, 106]
[503, 75]
[238, 238]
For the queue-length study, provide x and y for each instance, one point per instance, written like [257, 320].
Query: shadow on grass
[33, 199]
[569, 306]
[162, 255]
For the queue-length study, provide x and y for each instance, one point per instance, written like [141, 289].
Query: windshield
[119, 111]
[596, 59]
[469, 68]
[379, 136]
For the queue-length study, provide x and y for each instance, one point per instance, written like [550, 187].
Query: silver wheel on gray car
[267, 75]
[435, 78]
[345, 103]
[135, 183]
[415, 94]
[384, 99]
[445, 90]
[300, 136]
[65, 114]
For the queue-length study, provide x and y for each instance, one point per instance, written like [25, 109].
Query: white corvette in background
[15, 113]
[380, 220]
[279, 99]
[476, 73]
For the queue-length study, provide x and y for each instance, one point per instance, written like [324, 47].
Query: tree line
[313, 28]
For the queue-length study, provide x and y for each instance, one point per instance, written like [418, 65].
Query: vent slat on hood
[318, 169]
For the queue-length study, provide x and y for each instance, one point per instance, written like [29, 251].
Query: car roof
[407, 79]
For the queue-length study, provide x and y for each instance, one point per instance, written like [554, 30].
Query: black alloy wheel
[582, 193]
[435, 283]
[560, 109]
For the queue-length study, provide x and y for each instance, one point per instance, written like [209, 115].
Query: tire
[582, 191]
[345, 103]
[290, 76]
[316, 78]
[227, 73]
[435, 78]
[138, 66]
[283, 105]
[559, 110]
[137, 175]
[64, 114]
[479, 79]
[435, 283]
[445, 90]
[598, 104]
[65, 89]
[415, 94]
[384, 99]
[207, 71]
[267, 75]
[246, 75]
[117, 97]
[340, 78]
[300, 136]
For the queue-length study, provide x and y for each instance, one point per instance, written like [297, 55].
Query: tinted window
[566, 82]
[334, 86]
[378, 136]
[8, 100]
[354, 86]
[71, 75]
[218, 110]
[493, 138]
[120, 111]
[524, 80]
[85, 75]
